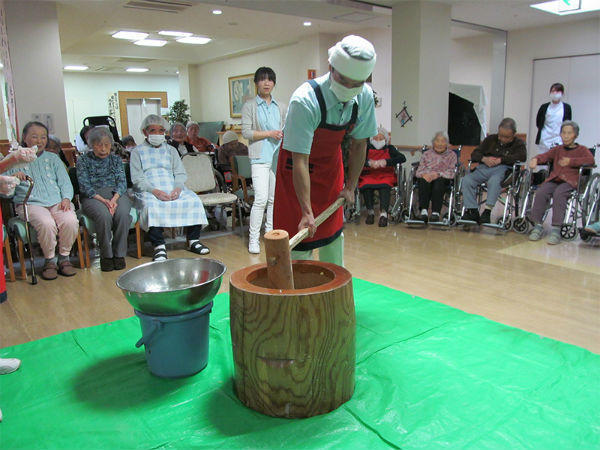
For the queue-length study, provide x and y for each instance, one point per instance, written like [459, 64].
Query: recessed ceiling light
[131, 35]
[137, 69]
[307, 24]
[566, 7]
[176, 33]
[217, 12]
[76, 67]
[194, 40]
[1, 65]
[177, 72]
[151, 42]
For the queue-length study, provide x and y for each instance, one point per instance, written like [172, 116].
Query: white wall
[209, 85]
[573, 38]
[471, 63]
[87, 93]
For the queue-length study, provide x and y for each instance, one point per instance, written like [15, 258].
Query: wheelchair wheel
[507, 224]
[521, 225]
[405, 214]
[585, 236]
[568, 231]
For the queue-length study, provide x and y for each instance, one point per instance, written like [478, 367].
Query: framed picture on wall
[241, 89]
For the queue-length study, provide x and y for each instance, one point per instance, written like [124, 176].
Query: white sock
[383, 214]
[370, 211]
[160, 247]
[193, 241]
[423, 212]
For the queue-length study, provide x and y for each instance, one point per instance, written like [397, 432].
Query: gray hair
[508, 124]
[55, 139]
[96, 135]
[190, 124]
[572, 124]
[153, 119]
[175, 125]
[442, 134]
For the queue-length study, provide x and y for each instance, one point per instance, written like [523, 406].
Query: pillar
[420, 69]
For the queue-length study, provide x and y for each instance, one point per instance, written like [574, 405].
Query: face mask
[343, 93]
[377, 144]
[156, 139]
[556, 96]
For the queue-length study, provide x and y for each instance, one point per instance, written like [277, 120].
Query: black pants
[155, 234]
[432, 192]
[384, 197]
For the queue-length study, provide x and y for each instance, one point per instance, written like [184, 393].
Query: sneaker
[536, 233]
[66, 269]
[8, 365]
[50, 271]
[554, 238]
[119, 263]
[435, 217]
[486, 216]
[471, 215]
[383, 220]
[370, 219]
[107, 264]
[254, 247]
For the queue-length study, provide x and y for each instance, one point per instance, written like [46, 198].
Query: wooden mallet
[278, 247]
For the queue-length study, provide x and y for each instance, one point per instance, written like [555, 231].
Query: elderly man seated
[158, 175]
[495, 155]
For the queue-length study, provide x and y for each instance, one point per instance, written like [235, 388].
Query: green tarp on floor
[427, 376]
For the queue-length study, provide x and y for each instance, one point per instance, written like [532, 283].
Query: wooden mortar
[293, 349]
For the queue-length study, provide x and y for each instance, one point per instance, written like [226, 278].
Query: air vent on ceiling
[134, 60]
[104, 69]
[171, 6]
[355, 17]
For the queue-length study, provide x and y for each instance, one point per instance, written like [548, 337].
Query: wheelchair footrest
[442, 223]
[415, 222]
[497, 226]
[467, 222]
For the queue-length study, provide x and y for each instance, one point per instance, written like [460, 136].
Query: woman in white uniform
[549, 118]
[158, 177]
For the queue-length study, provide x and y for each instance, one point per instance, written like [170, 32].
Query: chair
[241, 171]
[89, 228]
[9, 261]
[201, 180]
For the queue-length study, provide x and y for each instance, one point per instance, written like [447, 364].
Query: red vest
[370, 176]
[326, 181]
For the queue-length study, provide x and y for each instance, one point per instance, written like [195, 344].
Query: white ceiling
[246, 26]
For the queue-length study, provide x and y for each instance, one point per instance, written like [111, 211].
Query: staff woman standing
[262, 123]
[550, 117]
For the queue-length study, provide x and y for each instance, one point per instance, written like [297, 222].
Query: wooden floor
[550, 290]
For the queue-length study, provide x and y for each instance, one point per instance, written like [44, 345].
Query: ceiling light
[566, 7]
[217, 12]
[307, 24]
[151, 42]
[137, 69]
[76, 67]
[194, 40]
[131, 35]
[175, 33]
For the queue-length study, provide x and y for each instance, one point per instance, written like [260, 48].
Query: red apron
[375, 177]
[326, 181]
[2, 276]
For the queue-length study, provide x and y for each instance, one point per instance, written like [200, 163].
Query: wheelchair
[452, 200]
[581, 205]
[107, 121]
[593, 208]
[511, 192]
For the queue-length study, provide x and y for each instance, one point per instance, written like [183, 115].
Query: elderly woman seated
[199, 143]
[103, 192]
[378, 175]
[177, 140]
[158, 177]
[231, 147]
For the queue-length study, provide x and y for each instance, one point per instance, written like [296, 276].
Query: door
[137, 110]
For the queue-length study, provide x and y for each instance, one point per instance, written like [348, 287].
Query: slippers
[160, 254]
[199, 248]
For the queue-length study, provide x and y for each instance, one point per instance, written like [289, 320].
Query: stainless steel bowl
[174, 286]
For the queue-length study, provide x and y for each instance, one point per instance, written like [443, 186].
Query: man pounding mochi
[310, 173]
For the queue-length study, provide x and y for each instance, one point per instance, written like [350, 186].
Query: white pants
[331, 253]
[263, 183]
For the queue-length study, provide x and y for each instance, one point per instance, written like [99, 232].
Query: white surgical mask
[377, 144]
[156, 139]
[343, 93]
[555, 96]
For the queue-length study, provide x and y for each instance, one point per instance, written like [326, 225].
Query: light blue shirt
[304, 115]
[269, 118]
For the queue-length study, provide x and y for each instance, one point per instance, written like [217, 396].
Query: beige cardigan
[250, 124]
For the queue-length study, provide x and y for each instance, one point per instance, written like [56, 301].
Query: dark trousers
[432, 192]
[155, 234]
[384, 197]
[559, 193]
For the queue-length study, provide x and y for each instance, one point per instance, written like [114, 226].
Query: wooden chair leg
[80, 252]
[9, 261]
[22, 259]
[138, 240]
[86, 247]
